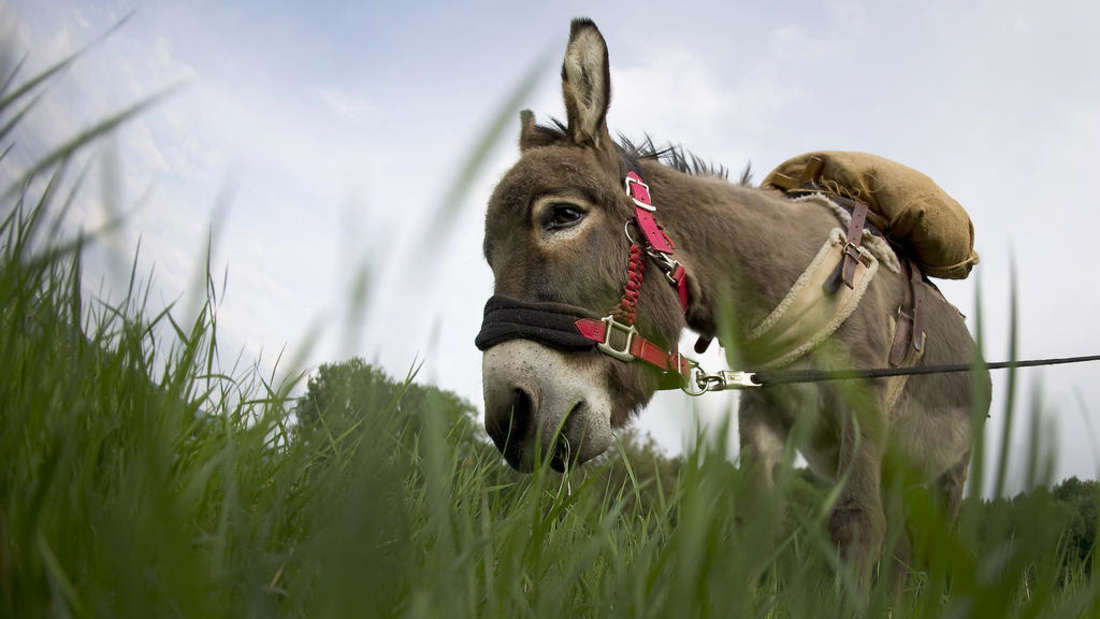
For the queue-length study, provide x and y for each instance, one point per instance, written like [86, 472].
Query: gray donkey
[554, 238]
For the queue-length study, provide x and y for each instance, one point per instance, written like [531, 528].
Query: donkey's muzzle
[521, 431]
[543, 405]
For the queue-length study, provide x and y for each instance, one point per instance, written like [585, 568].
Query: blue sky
[322, 136]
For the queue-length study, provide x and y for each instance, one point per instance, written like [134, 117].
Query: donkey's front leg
[857, 523]
[763, 435]
[763, 438]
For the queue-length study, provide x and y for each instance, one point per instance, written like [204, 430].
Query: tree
[354, 393]
[1080, 532]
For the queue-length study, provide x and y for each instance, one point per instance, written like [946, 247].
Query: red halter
[573, 328]
[615, 334]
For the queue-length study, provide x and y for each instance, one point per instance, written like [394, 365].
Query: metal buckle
[622, 354]
[648, 207]
[856, 252]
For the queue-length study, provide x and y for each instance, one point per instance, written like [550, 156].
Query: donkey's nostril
[564, 450]
[510, 431]
[561, 456]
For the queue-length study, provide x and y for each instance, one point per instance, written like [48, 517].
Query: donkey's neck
[744, 247]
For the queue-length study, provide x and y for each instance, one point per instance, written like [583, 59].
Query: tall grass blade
[1010, 389]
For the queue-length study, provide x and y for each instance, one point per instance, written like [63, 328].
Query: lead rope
[727, 379]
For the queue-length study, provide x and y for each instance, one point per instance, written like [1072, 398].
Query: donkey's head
[554, 232]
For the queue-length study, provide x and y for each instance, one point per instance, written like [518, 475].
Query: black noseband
[553, 324]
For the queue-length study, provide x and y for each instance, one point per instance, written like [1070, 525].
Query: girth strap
[909, 329]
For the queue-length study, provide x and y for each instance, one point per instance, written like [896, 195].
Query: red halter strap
[615, 335]
[659, 246]
[624, 343]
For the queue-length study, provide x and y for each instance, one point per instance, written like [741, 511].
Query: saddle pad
[807, 315]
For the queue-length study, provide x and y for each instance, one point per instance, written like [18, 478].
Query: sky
[316, 144]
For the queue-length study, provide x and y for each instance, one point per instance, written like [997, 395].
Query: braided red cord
[627, 311]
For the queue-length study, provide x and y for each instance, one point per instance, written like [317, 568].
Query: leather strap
[659, 245]
[851, 250]
[909, 328]
[640, 348]
[679, 276]
[644, 213]
[916, 283]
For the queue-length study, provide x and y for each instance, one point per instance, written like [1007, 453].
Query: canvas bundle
[907, 205]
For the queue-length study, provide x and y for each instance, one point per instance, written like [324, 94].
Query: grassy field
[139, 481]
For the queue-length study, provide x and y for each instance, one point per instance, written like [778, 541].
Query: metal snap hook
[695, 383]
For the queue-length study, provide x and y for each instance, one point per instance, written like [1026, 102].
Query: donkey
[554, 238]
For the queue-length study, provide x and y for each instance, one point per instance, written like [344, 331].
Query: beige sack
[914, 210]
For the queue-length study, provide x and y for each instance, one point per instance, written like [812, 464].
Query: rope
[783, 377]
[627, 310]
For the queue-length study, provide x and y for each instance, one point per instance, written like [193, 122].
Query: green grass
[138, 481]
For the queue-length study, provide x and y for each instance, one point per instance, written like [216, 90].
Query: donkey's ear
[530, 135]
[586, 84]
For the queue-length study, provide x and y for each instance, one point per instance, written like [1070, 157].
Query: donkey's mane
[674, 156]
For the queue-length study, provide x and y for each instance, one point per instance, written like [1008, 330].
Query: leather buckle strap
[903, 330]
[917, 285]
[850, 258]
[609, 335]
[851, 250]
[639, 192]
[657, 244]
[909, 325]
[644, 213]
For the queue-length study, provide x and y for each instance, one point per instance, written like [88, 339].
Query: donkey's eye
[561, 215]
